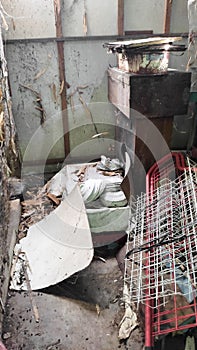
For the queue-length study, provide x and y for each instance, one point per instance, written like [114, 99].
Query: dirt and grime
[83, 312]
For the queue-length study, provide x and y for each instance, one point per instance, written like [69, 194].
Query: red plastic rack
[161, 259]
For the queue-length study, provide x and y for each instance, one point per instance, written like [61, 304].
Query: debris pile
[59, 221]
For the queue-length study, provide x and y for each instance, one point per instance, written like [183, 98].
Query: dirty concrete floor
[81, 313]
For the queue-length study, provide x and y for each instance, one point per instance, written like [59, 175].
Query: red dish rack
[161, 259]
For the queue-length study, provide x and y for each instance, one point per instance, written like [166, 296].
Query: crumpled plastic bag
[129, 321]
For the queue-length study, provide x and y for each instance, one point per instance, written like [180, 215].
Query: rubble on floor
[60, 244]
[85, 310]
[55, 248]
[94, 296]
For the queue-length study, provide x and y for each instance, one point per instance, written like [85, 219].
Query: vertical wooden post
[120, 17]
[62, 75]
[167, 16]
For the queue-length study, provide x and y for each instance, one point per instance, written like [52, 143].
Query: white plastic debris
[113, 196]
[91, 189]
[57, 185]
[109, 164]
[108, 219]
[190, 343]
[61, 244]
[56, 247]
[129, 321]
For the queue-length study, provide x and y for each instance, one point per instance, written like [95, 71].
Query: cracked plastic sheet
[56, 247]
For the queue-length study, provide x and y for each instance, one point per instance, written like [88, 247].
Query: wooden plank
[120, 17]
[167, 16]
[142, 43]
[76, 38]
[62, 75]
[119, 95]
[7, 254]
[142, 150]
[138, 32]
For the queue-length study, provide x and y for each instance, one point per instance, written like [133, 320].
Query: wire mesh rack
[161, 258]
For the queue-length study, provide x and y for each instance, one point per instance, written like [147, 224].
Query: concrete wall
[179, 17]
[36, 64]
[26, 60]
[144, 15]
[86, 65]
[149, 15]
[101, 17]
[29, 19]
